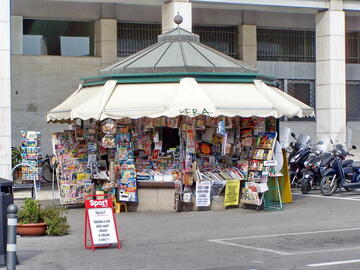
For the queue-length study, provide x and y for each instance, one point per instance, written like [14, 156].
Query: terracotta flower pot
[32, 229]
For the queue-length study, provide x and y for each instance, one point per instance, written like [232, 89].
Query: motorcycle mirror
[332, 142]
[293, 135]
[353, 147]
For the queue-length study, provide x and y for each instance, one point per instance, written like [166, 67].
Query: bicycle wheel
[47, 171]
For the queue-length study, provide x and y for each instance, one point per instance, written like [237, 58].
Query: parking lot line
[329, 197]
[227, 241]
[324, 250]
[333, 263]
[278, 252]
[285, 234]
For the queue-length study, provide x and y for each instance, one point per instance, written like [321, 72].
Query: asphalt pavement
[313, 232]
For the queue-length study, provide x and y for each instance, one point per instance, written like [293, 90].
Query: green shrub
[30, 212]
[15, 156]
[56, 221]
[54, 217]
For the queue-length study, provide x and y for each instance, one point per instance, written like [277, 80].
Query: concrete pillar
[330, 74]
[171, 9]
[248, 44]
[106, 41]
[5, 91]
[17, 35]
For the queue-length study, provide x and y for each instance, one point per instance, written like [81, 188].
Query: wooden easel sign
[100, 222]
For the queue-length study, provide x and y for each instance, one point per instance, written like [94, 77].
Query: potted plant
[33, 220]
[30, 221]
[15, 160]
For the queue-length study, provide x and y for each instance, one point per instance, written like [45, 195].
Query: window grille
[303, 90]
[133, 37]
[221, 38]
[353, 100]
[352, 52]
[279, 84]
[285, 45]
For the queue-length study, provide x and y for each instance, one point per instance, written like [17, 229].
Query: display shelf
[253, 194]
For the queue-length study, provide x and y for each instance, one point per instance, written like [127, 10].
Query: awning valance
[188, 97]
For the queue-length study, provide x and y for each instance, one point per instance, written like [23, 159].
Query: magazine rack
[256, 185]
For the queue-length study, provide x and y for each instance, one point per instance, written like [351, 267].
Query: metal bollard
[11, 237]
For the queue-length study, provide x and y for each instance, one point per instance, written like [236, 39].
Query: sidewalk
[177, 241]
[44, 194]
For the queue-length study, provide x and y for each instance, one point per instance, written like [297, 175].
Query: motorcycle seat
[356, 165]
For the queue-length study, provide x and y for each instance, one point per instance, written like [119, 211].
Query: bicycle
[48, 167]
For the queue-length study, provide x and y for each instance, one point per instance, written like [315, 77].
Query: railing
[25, 165]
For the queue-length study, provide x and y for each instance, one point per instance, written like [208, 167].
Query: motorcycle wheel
[326, 188]
[305, 185]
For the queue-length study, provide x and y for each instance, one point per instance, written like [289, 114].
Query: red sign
[102, 203]
[100, 222]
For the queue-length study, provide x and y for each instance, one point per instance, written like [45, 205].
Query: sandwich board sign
[100, 222]
[203, 193]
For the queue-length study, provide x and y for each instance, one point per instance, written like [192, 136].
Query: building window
[285, 45]
[303, 90]
[133, 37]
[221, 38]
[352, 42]
[66, 38]
[353, 100]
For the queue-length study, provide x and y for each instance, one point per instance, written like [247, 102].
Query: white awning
[188, 97]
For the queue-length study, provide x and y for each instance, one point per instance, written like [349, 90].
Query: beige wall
[44, 82]
[5, 88]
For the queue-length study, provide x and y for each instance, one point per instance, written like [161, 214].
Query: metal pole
[11, 237]
[53, 184]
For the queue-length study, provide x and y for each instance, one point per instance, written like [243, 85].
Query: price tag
[270, 163]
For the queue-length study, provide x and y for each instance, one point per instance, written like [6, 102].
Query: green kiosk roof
[177, 54]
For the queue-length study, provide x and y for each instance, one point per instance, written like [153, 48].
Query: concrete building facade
[312, 47]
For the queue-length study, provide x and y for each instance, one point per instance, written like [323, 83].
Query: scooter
[317, 162]
[300, 152]
[342, 174]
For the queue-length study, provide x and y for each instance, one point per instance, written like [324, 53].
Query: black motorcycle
[299, 153]
[343, 173]
[317, 162]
